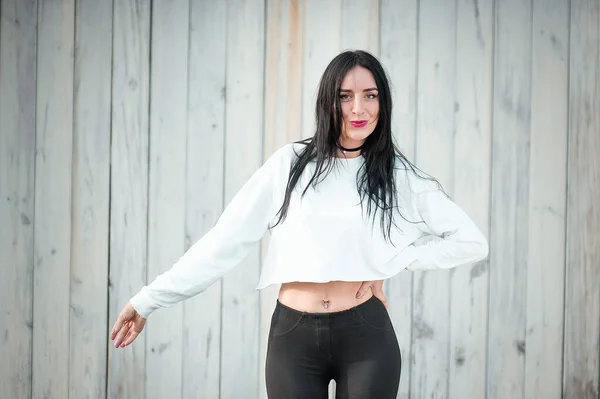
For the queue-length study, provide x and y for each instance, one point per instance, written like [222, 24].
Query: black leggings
[356, 347]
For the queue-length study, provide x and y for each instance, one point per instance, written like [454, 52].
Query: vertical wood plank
[360, 25]
[129, 185]
[18, 22]
[52, 228]
[510, 203]
[283, 73]
[472, 163]
[547, 199]
[582, 300]
[399, 27]
[399, 52]
[282, 116]
[204, 189]
[166, 189]
[434, 154]
[91, 168]
[243, 156]
[322, 42]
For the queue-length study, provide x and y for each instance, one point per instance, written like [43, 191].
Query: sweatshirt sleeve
[451, 239]
[243, 223]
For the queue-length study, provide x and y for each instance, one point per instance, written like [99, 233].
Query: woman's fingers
[127, 334]
[119, 338]
[363, 288]
[130, 338]
[117, 327]
[122, 334]
[128, 326]
[122, 345]
[124, 323]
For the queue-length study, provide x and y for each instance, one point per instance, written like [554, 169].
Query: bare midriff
[328, 297]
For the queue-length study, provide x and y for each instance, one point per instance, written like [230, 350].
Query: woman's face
[360, 106]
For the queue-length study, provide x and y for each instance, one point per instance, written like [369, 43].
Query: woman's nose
[357, 106]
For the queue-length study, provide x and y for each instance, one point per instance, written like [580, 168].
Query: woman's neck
[349, 148]
[348, 155]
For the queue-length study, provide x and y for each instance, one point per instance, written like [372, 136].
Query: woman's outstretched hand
[376, 287]
[128, 326]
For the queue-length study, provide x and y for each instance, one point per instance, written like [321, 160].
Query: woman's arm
[242, 223]
[452, 237]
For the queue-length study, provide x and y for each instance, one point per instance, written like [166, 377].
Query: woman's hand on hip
[128, 326]
[376, 287]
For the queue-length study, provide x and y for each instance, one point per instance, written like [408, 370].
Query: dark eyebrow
[365, 90]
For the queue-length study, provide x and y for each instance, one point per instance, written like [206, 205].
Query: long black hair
[375, 179]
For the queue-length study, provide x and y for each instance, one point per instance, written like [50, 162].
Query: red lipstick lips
[358, 123]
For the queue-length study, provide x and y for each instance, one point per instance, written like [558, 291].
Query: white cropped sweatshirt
[326, 236]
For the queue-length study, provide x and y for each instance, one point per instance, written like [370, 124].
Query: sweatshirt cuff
[142, 303]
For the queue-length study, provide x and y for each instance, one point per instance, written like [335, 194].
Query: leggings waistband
[330, 317]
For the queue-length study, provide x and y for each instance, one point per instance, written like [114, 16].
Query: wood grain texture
[510, 202]
[52, 228]
[360, 25]
[17, 183]
[496, 98]
[398, 54]
[582, 294]
[243, 156]
[547, 199]
[166, 189]
[129, 186]
[283, 73]
[204, 189]
[471, 188]
[322, 43]
[282, 119]
[91, 195]
[434, 154]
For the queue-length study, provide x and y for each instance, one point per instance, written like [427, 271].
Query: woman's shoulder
[411, 178]
[288, 152]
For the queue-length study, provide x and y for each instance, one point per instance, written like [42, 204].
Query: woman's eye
[371, 96]
[345, 97]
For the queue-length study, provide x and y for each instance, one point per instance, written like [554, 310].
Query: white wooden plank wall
[166, 195]
[321, 42]
[471, 190]
[18, 43]
[509, 206]
[127, 126]
[91, 198]
[547, 199]
[53, 201]
[129, 176]
[204, 189]
[582, 279]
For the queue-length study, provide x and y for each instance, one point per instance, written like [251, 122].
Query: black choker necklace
[350, 149]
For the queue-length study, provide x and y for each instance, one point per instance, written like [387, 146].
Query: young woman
[346, 210]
